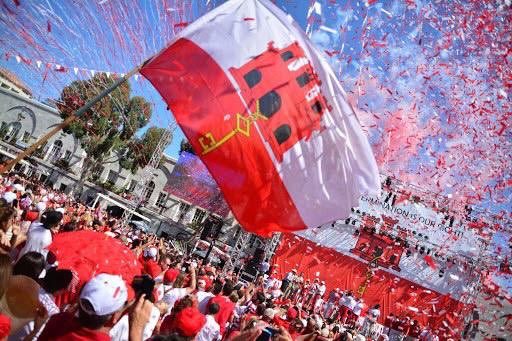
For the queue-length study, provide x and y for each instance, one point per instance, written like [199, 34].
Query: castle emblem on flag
[283, 91]
[287, 90]
[267, 117]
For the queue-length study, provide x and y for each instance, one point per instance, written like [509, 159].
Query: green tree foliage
[109, 125]
[140, 150]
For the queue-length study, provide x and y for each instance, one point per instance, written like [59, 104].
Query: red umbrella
[88, 253]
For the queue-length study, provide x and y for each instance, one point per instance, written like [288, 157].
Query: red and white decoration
[430, 278]
[267, 116]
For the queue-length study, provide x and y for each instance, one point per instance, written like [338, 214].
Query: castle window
[148, 191]
[287, 55]
[303, 79]
[317, 107]
[282, 133]
[270, 103]
[252, 78]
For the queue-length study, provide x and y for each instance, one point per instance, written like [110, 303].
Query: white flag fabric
[268, 117]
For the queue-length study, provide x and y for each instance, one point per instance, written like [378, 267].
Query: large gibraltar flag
[267, 116]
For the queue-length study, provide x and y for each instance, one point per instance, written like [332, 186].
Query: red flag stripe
[205, 104]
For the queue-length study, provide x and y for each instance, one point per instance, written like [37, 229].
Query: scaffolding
[146, 175]
[271, 245]
[234, 260]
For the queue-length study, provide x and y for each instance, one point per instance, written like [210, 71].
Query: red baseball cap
[291, 313]
[5, 326]
[190, 321]
[170, 275]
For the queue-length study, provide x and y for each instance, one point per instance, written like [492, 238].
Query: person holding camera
[103, 301]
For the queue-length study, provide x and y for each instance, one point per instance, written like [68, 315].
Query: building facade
[59, 162]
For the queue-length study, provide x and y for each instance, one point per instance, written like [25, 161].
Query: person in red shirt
[227, 307]
[5, 327]
[151, 267]
[102, 303]
[285, 322]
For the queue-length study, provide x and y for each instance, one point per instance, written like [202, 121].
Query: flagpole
[9, 164]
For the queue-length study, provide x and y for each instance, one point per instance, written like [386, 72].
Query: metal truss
[146, 175]
[271, 245]
[237, 251]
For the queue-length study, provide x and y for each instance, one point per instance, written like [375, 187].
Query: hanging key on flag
[267, 116]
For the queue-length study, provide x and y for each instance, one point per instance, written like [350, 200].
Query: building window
[148, 191]
[198, 216]
[160, 202]
[26, 137]
[41, 150]
[112, 177]
[132, 186]
[12, 131]
[63, 187]
[30, 171]
[184, 207]
[55, 151]
[3, 130]
[97, 171]
[67, 155]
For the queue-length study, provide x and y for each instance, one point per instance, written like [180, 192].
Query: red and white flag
[267, 116]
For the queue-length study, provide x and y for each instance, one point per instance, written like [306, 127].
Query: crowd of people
[344, 307]
[175, 297]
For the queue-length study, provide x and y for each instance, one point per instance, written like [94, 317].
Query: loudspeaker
[211, 228]
[259, 253]
[207, 230]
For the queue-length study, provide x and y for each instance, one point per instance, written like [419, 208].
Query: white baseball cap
[105, 293]
[9, 197]
[40, 206]
[270, 313]
[151, 252]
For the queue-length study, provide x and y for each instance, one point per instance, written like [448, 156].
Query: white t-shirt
[358, 308]
[210, 330]
[9, 197]
[374, 313]
[173, 295]
[276, 293]
[349, 302]
[203, 297]
[321, 289]
[39, 238]
[290, 276]
[270, 282]
[121, 330]
[319, 303]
